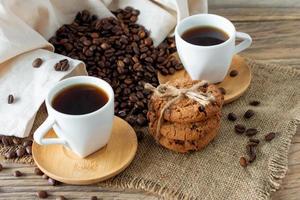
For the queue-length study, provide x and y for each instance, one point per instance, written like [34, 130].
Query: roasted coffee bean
[62, 65]
[251, 132]
[243, 162]
[239, 128]
[27, 143]
[10, 99]
[38, 172]
[42, 194]
[248, 114]
[1, 167]
[17, 173]
[20, 152]
[231, 117]
[6, 140]
[222, 90]
[10, 155]
[61, 198]
[270, 136]
[16, 141]
[37, 63]
[233, 73]
[52, 182]
[94, 198]
[29, 150]
[254, 140]
[254, 103]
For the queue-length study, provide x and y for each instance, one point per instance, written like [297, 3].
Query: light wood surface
[275, 33]
[234, 86]
[63, 165]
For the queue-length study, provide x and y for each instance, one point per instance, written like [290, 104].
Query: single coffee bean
[270, 136]
[17, 173]
[254, 140]
[10, 155]
[20, 152]
[254, 103]
[231, 117]
[37, 63]
[94, 198]
[38, 172]
[42, 194]
[222, 90]
[243, 162]
[28, 150]
[239, 128]
[10, 99]
[44, 176]
[1, 167]
[233, 73]
[16, 141]
[251, 132]
[248, 114]
[27, 143]
[52, 182]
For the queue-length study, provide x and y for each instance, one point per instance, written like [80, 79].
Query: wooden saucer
[63, 165]
[234, 86]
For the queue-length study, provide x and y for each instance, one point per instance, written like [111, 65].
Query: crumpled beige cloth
[25, 27]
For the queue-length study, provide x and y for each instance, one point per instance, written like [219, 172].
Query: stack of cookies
[183, 118]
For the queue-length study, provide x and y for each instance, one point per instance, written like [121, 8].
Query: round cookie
[186, 110]
[188, 145]
[186, 131]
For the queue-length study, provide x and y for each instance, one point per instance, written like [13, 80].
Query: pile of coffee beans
[251, 146]
[20, 148]
[121, 52]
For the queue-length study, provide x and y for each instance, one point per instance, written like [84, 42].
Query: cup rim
[201, 15]
[89, 80]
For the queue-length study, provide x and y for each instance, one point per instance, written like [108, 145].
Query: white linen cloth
[25, 27]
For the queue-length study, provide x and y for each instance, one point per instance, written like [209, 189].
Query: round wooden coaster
[234, 86]
[65, 166]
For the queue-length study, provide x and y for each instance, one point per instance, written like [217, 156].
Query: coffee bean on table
[20, 152]
[17, 173]
[28, 150]
[16, 141]
[10, 99]
[233, 73]
[37, 63]
[231, 117]
[38, 172]
[42, 194]
[243, 162]
[254, 140]
[248, 114]
[222, 90]
[94, 198]
[270, 136]
[10, 155]
[251, 132]
[254, 103]
[239, 128]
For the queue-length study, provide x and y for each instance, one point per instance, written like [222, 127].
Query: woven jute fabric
[215, 173]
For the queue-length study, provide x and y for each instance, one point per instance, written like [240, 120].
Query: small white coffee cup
[209, 63]
[83, 134]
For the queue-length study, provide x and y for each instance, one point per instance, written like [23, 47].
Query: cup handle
[247, 40]
[43, 129]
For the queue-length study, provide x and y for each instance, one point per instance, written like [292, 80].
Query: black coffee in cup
[79, 99]
[205, 36]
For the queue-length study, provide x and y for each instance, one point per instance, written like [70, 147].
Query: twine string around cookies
[174, 94]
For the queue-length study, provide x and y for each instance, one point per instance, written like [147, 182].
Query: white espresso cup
[82, 134]
[209, 63]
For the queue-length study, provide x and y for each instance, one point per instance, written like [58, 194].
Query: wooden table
[276, 39]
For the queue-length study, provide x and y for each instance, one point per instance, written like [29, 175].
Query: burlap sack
[215, 172]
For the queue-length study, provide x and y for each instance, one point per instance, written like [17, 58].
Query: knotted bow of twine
[174, 94]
